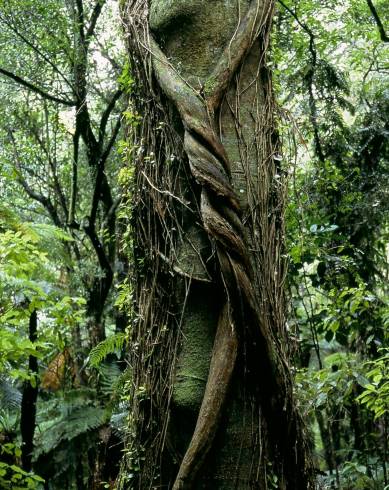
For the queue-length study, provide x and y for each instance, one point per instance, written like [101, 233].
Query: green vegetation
[337, 113]
[66, 240]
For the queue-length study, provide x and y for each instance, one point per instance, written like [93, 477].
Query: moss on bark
[192, 36]
[194, 33]
[198, 332]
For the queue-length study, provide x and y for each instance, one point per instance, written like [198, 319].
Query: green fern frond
[78, 396]
[47, 232]
[9, 421]
[47, 238]
[79, 420]
[108, 377]
[10, 397]
[8, 218]
[111, 345]
[83, 420]
[51, 239]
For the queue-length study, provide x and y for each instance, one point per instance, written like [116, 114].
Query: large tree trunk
[213, 401]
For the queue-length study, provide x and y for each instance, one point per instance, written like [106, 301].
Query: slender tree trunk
[29, 397]
[213, 401]
[326, 438]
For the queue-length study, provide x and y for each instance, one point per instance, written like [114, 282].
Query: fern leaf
[10, 397]
[76, 421]
[109, 375]
[111, 345]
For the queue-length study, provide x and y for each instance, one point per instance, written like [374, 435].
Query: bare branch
[115, 65]
[98, 247]
[45, 201]
[26, 121]
[310, 81]
[111, 142]
[380, 26]
[35, 89]
[74, 184]
[105, 116]
[80, 19]
[102, 191]
[94, 17]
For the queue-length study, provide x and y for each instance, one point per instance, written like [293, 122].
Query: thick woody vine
[240, 317]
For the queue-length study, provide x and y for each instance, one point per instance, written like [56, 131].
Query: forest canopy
[194, 244]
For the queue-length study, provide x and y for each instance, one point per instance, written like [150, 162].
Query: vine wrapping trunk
[208, 136]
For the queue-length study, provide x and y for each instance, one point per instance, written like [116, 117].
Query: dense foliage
[60, 64]
[334, 97]
[65, 237]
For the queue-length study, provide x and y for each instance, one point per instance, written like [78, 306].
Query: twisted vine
[221, 216]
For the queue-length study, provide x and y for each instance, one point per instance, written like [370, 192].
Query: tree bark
[213, 401]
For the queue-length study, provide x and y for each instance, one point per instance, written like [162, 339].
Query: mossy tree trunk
[212, 404]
